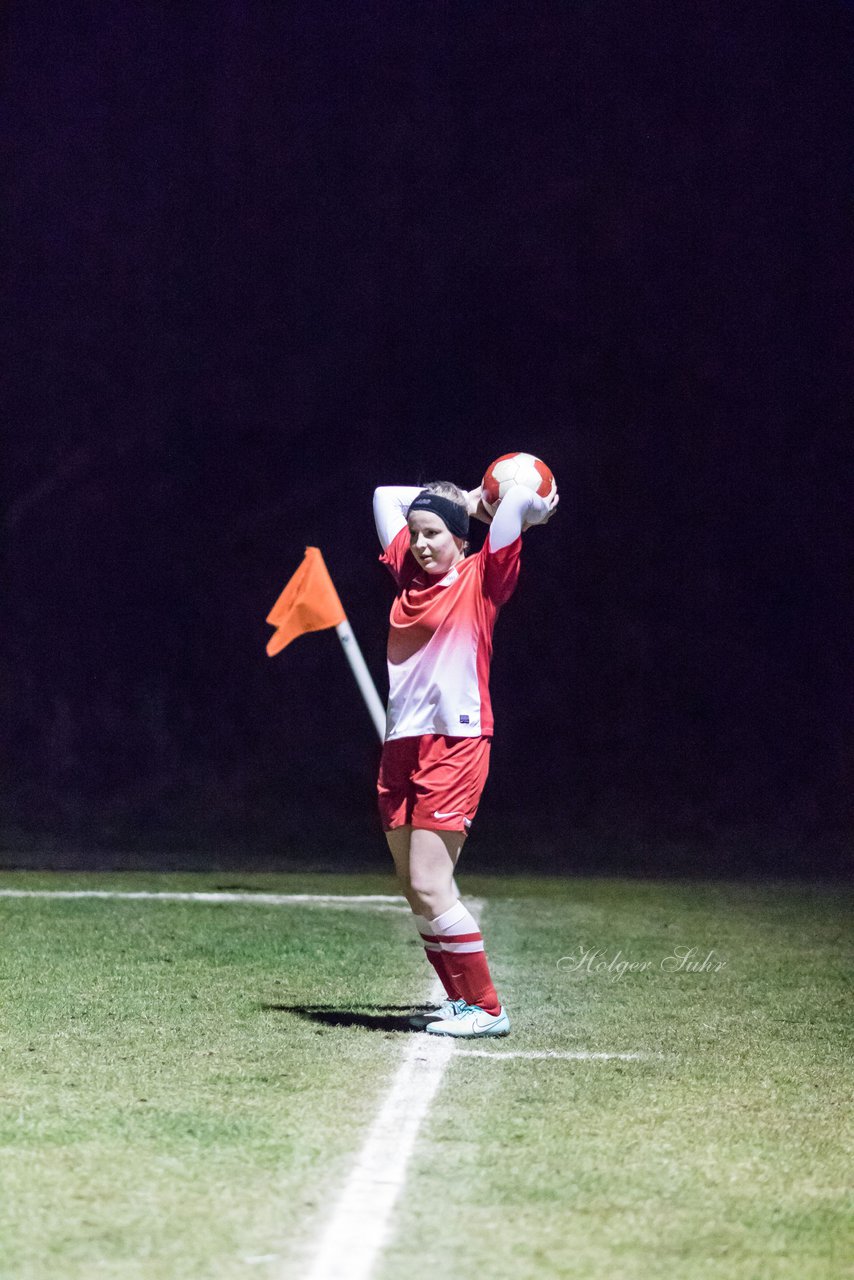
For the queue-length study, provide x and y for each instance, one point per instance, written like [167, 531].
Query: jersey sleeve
[501, 570]
[398, 559]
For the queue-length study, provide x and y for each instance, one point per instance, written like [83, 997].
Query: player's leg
[429, 885]
[398, 841]
[395, 798]
[448, 783]
[429, 789]
[433, 856]
[425, 860]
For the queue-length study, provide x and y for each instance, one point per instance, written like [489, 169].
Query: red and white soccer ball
[512, 469]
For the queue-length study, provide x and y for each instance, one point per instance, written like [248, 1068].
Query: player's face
[431, 542]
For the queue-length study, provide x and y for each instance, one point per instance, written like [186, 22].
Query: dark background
[265, 256]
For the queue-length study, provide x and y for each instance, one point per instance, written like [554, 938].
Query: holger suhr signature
[679, 960]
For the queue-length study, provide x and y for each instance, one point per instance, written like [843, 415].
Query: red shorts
[433, 781]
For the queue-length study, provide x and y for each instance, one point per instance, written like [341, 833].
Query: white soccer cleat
[471, 1021]
[441, 1013]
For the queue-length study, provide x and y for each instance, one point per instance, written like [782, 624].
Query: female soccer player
[439, 723]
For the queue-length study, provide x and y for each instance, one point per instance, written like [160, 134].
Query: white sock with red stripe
[433, 951]
[461, 941]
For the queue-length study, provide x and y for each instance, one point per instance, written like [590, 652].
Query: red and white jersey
[440, 640]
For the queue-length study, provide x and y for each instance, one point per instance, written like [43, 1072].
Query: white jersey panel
[435, 689]
[440, 641]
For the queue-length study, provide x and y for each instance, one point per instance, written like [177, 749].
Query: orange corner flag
[309, 602]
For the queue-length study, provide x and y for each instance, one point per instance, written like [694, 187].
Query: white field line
[379, 901]
[359, 1227]
[580, 1055]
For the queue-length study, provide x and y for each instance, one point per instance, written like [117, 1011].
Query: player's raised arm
[477, 508]
[519, 510]
[391, 503]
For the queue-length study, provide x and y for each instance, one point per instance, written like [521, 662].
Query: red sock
[437, 958]
[461, 941]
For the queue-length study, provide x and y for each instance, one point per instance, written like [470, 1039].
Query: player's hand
[541, 511]
[477, 511]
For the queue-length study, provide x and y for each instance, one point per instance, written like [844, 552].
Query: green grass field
[185, 1086]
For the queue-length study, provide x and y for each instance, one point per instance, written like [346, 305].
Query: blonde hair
[447, 489]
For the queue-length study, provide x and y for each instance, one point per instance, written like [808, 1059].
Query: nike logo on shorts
[455, 813]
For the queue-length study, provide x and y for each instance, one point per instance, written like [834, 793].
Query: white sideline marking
[581, 1055]
[380, 901]
[359, 1226]
[360, 1223]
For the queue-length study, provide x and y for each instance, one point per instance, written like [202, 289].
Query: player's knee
[429, 891]
[403, 879]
